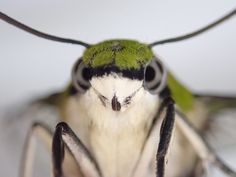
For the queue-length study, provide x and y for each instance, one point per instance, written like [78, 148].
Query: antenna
[195, 33]
[30, 30]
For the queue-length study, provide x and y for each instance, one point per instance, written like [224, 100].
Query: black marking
[155, 86]
[72, 90]
[129, 73]
[84, 87]
[127, 100]
[103, 99]
[165, 134]
[81, 75]
[86, 71]
[115, 104]
[163, 95]
[57, 152]
[86, 74]
[165, 92]
[153, 76]
[149, 74]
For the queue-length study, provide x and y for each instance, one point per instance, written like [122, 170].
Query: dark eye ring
[155, 76]
[81, 75]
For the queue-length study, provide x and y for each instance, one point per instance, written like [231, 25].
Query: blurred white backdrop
[32, 66]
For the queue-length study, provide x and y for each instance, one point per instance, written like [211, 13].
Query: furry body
[117, 139]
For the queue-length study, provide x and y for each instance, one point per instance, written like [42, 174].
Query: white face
[116, 92]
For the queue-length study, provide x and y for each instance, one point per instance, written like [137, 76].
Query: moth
[119, 113]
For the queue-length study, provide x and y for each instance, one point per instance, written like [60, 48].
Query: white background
[31, 66]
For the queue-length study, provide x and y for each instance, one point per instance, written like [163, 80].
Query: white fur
[115, 138]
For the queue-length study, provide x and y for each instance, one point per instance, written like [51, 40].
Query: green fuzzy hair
[182, 96]
[125, 54]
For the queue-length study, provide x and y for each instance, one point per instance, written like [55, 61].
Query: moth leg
[44, 133]
[205, 152]
[64, 136]
[167, 108]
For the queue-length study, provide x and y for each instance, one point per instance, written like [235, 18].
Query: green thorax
[125, 54]
[182, 96]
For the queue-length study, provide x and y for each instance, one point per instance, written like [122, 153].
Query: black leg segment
[57, 152]
[63, 138]
[167, 106]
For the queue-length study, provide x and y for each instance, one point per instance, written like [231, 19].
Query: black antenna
[195, 33]
[28, 29]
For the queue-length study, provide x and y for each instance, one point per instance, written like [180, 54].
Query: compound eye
[155, 77]
[81, 75]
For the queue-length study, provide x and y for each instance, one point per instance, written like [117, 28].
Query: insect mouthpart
[115, 104]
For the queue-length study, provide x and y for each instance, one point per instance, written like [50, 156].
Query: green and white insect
[120, 106]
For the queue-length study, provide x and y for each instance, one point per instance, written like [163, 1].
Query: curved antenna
[195, 33]
[28, 29]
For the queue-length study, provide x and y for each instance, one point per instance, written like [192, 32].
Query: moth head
[117, 70]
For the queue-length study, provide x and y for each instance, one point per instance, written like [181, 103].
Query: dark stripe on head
[129, 73]
[72, 90]
[165, 93]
